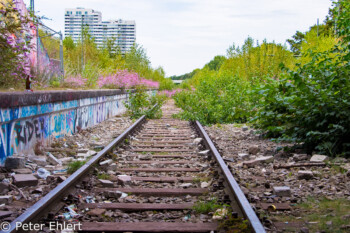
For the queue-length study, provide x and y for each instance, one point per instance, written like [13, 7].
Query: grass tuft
[204, 207]
[75, 165]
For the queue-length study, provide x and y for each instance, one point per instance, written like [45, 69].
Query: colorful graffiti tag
[23, 127]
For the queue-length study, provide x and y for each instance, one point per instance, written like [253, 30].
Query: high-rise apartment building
[122, 31]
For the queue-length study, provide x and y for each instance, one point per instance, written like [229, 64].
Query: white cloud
[182, 35]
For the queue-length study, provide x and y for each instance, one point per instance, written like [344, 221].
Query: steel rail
[246, 208]
[55, 194]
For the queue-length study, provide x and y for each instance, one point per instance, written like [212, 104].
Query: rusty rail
[233, 185]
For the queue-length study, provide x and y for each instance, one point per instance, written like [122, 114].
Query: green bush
[217, 100]
[141, 103]
[312, 104]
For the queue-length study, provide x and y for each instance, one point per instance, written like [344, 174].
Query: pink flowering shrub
[170, 93]
[75, 81]
[124, 79]
[149, 83]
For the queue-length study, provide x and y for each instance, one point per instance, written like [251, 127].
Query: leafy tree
[216, 63]
[68, 43]
[184, 76]
[111, 47]
[136, 59]
[295, 43]
[322, 30]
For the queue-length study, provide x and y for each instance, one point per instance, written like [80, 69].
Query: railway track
[162, 175]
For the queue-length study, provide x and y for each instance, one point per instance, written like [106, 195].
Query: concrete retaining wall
[29, 118]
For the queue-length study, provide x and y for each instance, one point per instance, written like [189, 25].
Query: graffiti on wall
[23, 127]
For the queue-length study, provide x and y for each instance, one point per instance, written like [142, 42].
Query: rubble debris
[243, 155]
[61, 179]
[146, 157]
[38, 190]
[204, 152]
[5, 214]
[276, 166]
[204, 185]
[115, 194]
[53, 160]
[66, 160]
[185, 185]
[4, 188]
[106, 183]
[7, 199]
[265, 159]
[23, 180]
[282, 191]
[251, 163]
[300, 157]
[39, 160]
[124, 179]
[319, 158]
[245, 128]
[96, 212]
[14, 162]
[254, 149]
[106, 163]
[306, 175]
[197, 141]
[22, 171]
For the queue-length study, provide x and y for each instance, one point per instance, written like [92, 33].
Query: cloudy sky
[182, 35]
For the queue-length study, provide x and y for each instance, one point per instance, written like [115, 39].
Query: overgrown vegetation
[301, 96]
[85, 64]
[142, 103]
[98, 65]
[311, 104]
[223, 88]
[14, 45]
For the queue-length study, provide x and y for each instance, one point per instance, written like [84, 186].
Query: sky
[182, 35]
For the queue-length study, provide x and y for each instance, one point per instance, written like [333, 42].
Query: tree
[136, 59]
[216, 63]
[295, 43]
[111, 47]
[68, 43]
